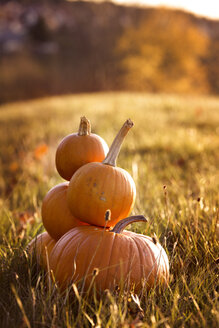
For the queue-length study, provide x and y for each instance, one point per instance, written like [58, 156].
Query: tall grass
[172, 153]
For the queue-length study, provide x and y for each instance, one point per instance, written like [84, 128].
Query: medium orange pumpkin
[56, 216]
[80, 148]
[41, 246]
[122, 258]
[96, 187]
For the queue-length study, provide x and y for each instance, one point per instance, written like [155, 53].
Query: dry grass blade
[20, 306]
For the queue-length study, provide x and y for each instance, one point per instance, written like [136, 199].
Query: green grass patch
[172, 153]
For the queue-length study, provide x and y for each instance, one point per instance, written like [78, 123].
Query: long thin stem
[117, 143]
[121, 225]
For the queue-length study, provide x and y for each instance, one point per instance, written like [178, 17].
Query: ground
[172, 152]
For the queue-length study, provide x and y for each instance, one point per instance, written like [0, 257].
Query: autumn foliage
[164, 53]
[84, 46]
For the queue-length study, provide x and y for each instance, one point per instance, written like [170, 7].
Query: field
[172, 152]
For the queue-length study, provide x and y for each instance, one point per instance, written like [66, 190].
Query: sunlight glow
[207, 8]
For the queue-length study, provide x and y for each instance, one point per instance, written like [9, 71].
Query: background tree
[164, 53]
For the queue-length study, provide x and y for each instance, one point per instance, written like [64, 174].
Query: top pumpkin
[80, 148]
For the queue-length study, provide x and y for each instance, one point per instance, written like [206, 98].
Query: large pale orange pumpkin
[41, 246]
[96, 187]
[80, 148]
[122, 258]
[56, 216]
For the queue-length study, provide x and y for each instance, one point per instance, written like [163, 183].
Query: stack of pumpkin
[85, 240]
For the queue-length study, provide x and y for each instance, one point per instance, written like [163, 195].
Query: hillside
[49, 47]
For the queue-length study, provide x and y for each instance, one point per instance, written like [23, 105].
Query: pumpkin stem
[84, 127]
[121, 225]
[107, 215]
[117, 143]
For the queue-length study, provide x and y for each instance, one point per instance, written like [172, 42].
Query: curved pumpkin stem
[117, 143]
[121, 225]
[84, 127]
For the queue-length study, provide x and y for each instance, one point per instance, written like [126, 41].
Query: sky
[209, 8]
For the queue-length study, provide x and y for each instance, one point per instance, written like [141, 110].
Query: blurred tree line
[53, 47]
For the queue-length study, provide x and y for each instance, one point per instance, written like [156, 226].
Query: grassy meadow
[172, 152]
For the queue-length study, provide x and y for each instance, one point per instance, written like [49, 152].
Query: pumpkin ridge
[130, 259]
[56, 258]
[39, 246]
[85, 268]
[102, 187]
[149, 254]
[112, 190]
[60, 195]
[108, 266]
[124, 196]
[156, 260]
[60, 241]
[96, 140]
[49, 199]
[126, 178]
[50, 212]
[116, 178]
[76, 254]
[89, 205]
[77, 196]
[133, 196]
[140, 258]
[48, 205]
[62, 253]
[114, 187]
[86, 273]
[77, 174]
[88, 150]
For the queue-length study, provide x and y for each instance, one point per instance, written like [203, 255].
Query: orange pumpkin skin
[78, 149]
[128, 259]
[56, 216]
[41, 246]
[96, 187]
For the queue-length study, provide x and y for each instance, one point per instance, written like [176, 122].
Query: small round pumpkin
[96, 187]
[41, 246]
[80, 148]
[122, 258]
[56, 216]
